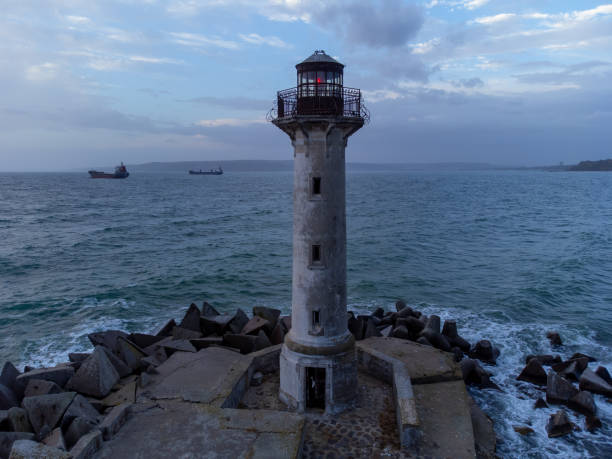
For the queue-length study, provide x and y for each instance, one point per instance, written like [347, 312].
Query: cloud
[470, 83]
[257, 39]
[195, 40]
[473, 4]
[390, 23]
[234, 122]
[78, 19]
[236, 103]
[571, 74]
[42, 72]
[425, 47]
[154, 60]
[586, 15]
[466, 4]
[495, 19]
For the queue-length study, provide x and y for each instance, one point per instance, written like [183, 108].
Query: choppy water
[509, 254]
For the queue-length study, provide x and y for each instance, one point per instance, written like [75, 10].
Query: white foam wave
[514, 406]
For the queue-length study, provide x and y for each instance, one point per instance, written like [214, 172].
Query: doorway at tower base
[318, 381]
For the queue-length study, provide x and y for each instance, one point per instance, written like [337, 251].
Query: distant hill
[287, 165]
[601, 165]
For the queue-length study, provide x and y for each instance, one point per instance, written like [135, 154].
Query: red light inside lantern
[318, 80]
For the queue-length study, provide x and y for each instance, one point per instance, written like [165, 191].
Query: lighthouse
[318, 368]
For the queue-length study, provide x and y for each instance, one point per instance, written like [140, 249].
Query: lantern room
[320, 92]
[319, 85]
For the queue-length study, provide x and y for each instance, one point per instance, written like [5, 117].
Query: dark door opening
[315, 387]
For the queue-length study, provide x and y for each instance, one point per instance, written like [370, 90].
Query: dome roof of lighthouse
[319, 57]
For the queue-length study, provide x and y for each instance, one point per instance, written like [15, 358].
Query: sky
[506, 82]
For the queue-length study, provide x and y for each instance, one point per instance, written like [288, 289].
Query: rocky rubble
[560, 385]
[69, 409]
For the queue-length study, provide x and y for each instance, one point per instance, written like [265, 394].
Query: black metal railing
[319, 100]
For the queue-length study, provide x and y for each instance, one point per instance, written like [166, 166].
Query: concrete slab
[208, 376]
[186, 430]
[445, 420]
[425, 364]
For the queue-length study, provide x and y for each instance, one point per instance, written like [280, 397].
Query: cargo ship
[217, 171]
[120, 172]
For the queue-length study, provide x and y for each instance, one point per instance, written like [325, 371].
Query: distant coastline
[262, 165]
[601, 165]
[287, 165]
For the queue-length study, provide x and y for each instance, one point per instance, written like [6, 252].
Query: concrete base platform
[190, 430]
[189, 409]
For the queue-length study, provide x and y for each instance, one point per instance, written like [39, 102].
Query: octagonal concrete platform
[188, 409]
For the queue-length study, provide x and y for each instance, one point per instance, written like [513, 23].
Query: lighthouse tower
[317, 363]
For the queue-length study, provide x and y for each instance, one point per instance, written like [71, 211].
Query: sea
[509, 254]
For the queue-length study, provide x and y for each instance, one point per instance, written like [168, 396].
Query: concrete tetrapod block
[55, 439]
[191, 320]
[119, 364]
[41, 387]
[107, 338]
[215, 324]
[80, 408]
[87, 445]
[127, 394]
[130, 353]
[114, 420]
[143, 340]
[78, 428]
[180, 333]
[202, 343]
[253, 326]
[8, 398]
[172, 346]
[245, 343]
[96, 376]
[77, 357]
[59, 375]
[8, 438]
[208, 310]
[592, 382]
[166, 330]
[484, 435]
[558, 389]
[238, 322]
[269, 314]
[425, 364]
[47, 410]
[17, 419]
[278, 335]
[8, 377]
[28, 449]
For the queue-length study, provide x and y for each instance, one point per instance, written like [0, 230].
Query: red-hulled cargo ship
[120, 172]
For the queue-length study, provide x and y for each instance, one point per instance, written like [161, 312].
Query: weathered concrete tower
[317, 364]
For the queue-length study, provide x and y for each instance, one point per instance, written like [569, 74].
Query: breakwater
[75, 405]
